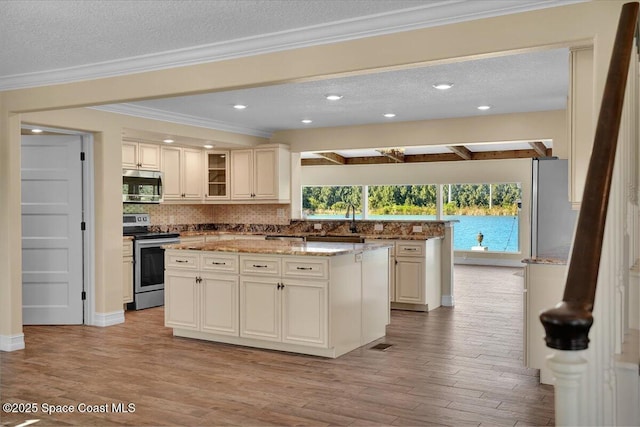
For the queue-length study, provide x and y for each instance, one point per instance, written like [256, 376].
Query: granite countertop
[417, 236]
[280, 247]
[125, 238]
[543, 260]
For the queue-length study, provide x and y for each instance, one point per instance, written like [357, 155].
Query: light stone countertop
[280, 247]
[417, 236]
[540, 260]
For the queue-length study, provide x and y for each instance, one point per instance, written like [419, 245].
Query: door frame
[88, 237]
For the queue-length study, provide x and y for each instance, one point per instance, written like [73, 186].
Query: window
[331, 202]
[488, 209]
[402, 202]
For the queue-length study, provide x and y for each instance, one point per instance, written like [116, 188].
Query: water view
[500, 232]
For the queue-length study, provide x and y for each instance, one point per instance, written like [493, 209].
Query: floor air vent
[381, 346]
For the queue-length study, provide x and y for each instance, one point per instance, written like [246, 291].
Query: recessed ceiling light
[239, 106]
[168, 141]
[443, 86]
[389, 115]
[333, 97]
[208, 146]
[307, 121]
[484, 107]
[36, 130]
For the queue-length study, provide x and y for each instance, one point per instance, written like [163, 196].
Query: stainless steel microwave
[141, 186]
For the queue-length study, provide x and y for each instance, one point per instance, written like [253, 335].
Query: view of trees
[481, 199]
[458, 199]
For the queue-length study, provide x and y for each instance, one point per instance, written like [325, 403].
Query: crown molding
[182, 119]
[429, 15]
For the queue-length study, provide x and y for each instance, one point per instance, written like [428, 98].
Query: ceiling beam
[333, 158]
[461, 151]
[424, 158]
[539, 147]
[396, 156]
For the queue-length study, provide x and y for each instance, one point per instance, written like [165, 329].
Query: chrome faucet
[352, 227]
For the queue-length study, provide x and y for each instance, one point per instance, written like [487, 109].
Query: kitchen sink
[336, 239]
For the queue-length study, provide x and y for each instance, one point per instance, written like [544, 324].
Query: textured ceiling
[52, 41]
[509, 84]
[51, 34]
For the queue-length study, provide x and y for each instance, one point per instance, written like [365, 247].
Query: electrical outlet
[417, 229]
[377, 227]
[280, 213]
[317, 226]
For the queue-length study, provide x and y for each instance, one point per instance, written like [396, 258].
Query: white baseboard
[108, 319]
[447, 301]
[488, 261]
[11, 342]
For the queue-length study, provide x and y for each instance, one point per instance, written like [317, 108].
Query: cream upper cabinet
[183, 171]
[261, 173]
[138, 155]
[242, 174]
[216, 185]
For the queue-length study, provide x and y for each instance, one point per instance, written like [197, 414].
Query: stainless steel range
[148, 260]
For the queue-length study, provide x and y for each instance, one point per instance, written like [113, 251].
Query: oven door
[149, 268]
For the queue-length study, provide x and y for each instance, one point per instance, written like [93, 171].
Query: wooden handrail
[567, 325]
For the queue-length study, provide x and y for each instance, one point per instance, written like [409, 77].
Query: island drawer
[305, 267]
[264, 266]
[186, 261]
[406, 248]
[219, 262]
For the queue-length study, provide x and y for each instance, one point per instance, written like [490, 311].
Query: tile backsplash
[169, 214]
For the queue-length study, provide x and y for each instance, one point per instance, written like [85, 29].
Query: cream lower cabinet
[219, 295]
[410, 284]
[284, 310]
[201, 293]
[319, 305]
[182, 302]
[543, 288]
[279, 306]
[418, 275]
[127, 271]
[416, 270]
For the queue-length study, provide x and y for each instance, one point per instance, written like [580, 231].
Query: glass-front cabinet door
[217, 185]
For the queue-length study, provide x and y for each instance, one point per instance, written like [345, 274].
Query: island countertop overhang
[279, 247]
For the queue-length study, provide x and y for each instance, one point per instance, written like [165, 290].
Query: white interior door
[52, 253]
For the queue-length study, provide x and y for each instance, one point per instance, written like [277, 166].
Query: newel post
[569, 368]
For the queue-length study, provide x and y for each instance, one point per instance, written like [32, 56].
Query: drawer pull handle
[219, 263]
[410, 249]
[304, 268]
[260, 266]
[181, 260]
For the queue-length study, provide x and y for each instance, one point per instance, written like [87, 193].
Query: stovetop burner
[137, 225]
[151, 235]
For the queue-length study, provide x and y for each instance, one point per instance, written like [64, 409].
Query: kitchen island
[323, 299]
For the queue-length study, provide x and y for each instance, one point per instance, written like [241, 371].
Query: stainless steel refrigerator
[552, 219]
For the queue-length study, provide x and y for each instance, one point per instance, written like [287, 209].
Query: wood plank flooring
[453, 366]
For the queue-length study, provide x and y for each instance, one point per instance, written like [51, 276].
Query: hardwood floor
[452, 366]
